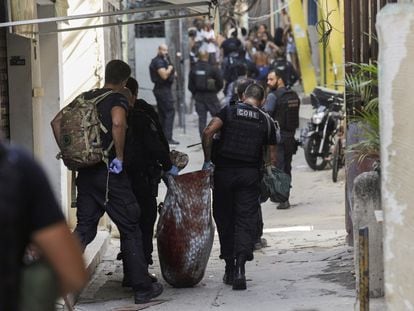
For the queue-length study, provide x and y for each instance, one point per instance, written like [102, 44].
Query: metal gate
[361, 44]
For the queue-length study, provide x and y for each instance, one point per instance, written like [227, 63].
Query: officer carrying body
[147, 154]
[245, 130]
[204, 82]
[283, 104]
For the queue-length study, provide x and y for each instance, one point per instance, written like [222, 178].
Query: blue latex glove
[173, 171]
[115, 166]
[207, 166]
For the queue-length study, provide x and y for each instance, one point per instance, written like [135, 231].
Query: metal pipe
[136, 22]
[363, 269]
[104, 14]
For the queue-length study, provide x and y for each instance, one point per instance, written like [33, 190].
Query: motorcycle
[319, 136]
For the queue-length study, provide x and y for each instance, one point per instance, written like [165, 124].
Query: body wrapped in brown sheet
[185, 229]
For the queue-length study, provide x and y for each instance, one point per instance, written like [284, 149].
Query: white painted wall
[395, 24]
[20, 91]
[51, 77]
[83, 52]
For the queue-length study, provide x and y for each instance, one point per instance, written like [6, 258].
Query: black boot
[144, 296]
[239, 282]
[229, 272]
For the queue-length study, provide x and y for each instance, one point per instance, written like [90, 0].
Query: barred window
[150, 30]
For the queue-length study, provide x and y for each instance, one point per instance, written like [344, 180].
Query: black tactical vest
[202, 74]
[287, 110]
[243, 134]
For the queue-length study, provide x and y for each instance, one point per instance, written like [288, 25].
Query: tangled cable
[324, 28]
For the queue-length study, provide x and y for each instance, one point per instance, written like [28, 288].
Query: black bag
[39, 287]
[275, 185]
[287, 112]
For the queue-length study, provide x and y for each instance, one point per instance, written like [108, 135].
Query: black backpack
[231, 66]
[287, 111]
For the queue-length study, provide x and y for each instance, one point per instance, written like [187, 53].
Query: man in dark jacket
[205, 81]
[147, 155]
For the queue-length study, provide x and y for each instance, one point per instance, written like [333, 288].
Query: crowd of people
[257, 50]
[260, 110]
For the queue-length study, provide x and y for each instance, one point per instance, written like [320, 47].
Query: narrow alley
[306, 266]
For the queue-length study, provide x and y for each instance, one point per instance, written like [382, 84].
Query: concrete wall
[395, 25]
[20, 91]
[50, 66]
[83, 54]
[367, 201]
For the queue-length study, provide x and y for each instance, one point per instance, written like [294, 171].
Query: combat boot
[229, 272]
[144, 296]
[239, 282]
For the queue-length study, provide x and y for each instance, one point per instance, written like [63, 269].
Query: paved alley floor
[306, 266]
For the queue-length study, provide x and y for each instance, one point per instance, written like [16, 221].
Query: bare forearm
[165, 72]
[63, 252]
[118, 134]
[207, 139]
[207, 142]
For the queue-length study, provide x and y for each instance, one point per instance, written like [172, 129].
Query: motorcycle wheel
[336, 159]
[311, 146]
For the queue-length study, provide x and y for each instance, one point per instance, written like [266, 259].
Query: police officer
[245, 130]
[282, 104]
[162, 74]
[204, 82]
[147, 155]
[107, 189]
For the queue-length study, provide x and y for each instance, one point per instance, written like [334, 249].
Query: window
[151, 30]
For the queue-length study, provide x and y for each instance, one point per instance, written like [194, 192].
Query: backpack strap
[97, 100]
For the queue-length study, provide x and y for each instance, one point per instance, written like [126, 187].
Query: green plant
[369, 138]
[362, 87]
[362, 83]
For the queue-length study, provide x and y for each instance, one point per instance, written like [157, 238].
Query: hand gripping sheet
[185, 230]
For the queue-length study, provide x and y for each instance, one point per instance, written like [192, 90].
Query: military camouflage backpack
[77, 132]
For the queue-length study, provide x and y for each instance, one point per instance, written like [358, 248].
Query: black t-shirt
[27, 205]
[146, 144]
[104, 110]
[157, 63]
[226, 162]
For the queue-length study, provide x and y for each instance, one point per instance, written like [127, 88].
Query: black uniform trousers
[124, 211]
[166, 111]
[235, 209]
[285, 151]
[205, 102]
[144, 193]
